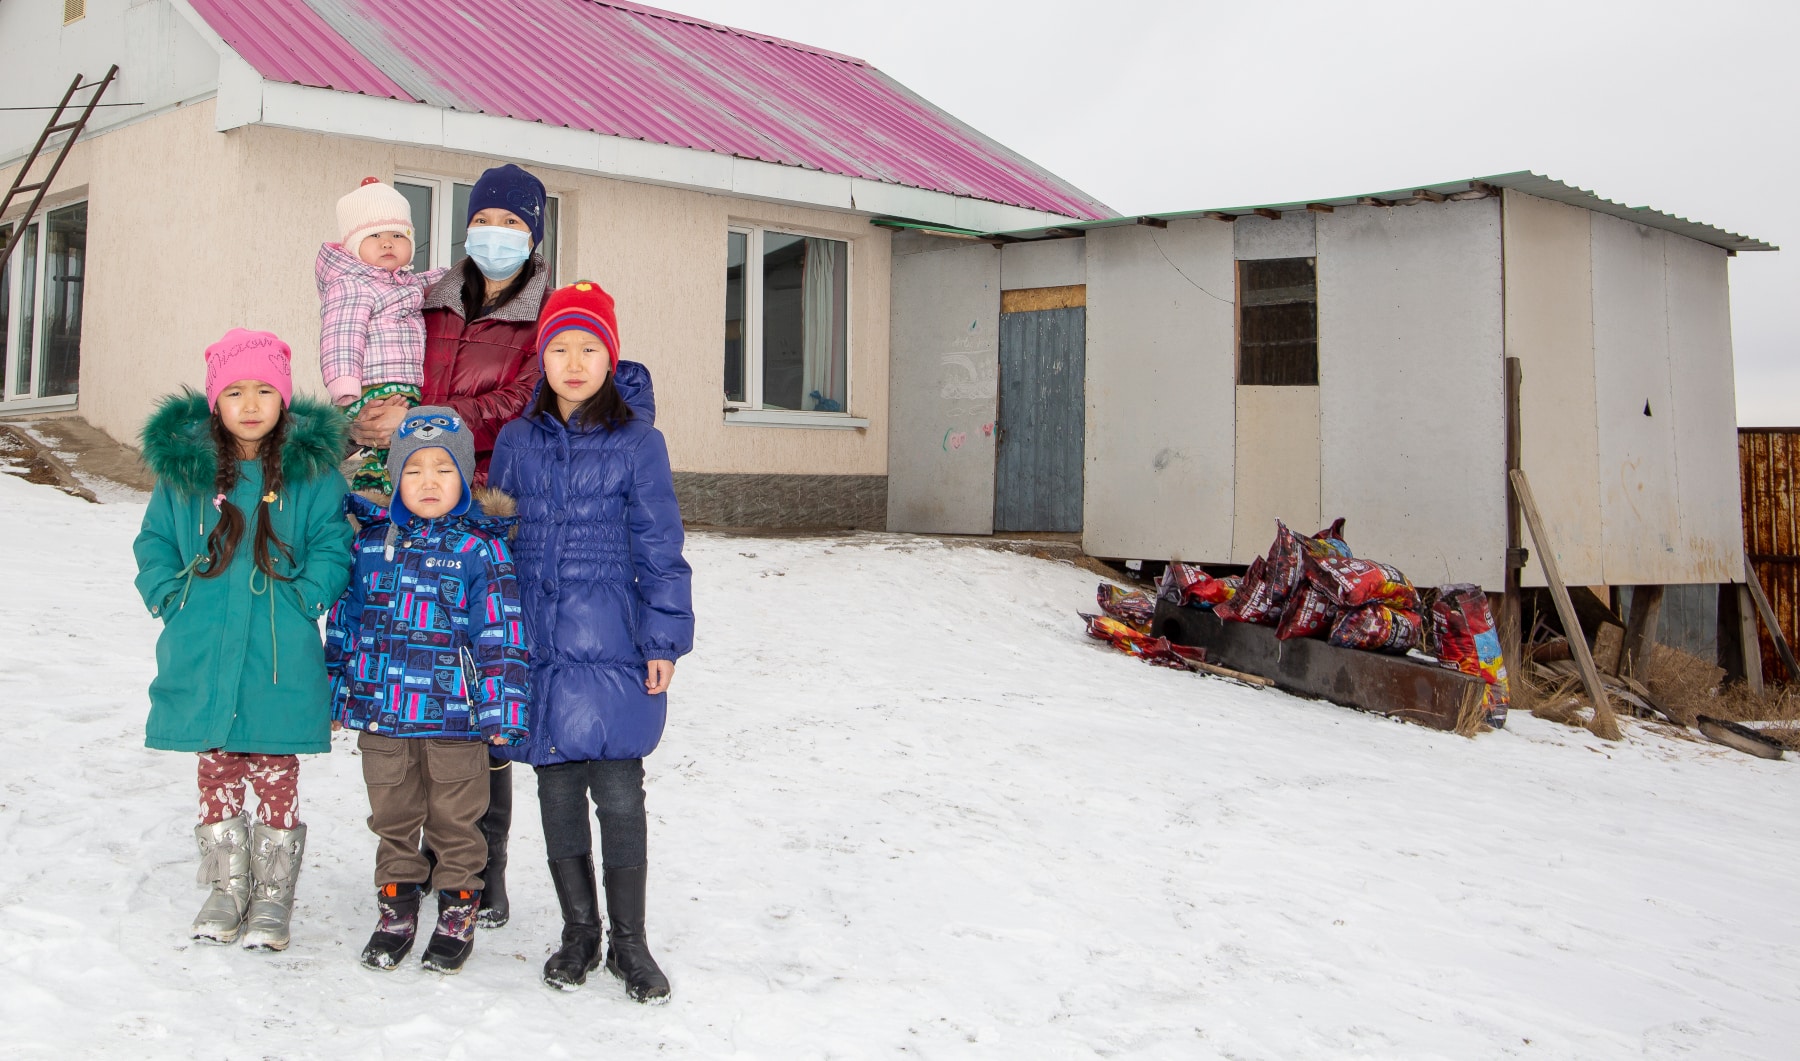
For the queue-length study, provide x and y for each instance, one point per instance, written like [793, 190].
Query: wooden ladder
[51, 128]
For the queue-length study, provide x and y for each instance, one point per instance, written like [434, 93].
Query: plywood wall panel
[945, 346]
[1289, 236]
[1159, 370]
[1044, 263]
[1411, 385]
[1638, 482]
[1550, 329]
[1710, 547]
[1277, 466]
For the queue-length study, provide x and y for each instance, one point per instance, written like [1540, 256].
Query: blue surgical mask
[498, 252]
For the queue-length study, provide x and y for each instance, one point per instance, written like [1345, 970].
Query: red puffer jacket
[485, 370]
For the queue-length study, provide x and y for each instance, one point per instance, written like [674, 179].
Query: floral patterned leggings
[225, 775]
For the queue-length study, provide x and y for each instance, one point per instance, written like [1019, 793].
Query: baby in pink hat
[371, 330]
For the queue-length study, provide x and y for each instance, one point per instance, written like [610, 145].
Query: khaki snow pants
[438, 787]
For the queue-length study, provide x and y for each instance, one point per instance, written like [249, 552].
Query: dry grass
[1685, 685]
[1688, 687]
[1471, 717]
[1682, 684]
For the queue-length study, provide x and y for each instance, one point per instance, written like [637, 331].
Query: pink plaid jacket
[370, 327]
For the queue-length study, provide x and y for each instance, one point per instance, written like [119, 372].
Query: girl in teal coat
[244, 546]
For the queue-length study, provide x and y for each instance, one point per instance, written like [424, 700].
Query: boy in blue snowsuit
[428, 658]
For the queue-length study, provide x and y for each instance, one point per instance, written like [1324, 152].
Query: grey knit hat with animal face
[427, 427]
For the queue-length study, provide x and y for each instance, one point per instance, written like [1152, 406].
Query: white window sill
[794, 418]
[58, 404]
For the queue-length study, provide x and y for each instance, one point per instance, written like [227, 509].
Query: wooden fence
[1768, 462]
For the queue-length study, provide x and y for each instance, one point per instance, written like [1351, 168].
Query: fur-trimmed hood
[494, 511]
[178, 445]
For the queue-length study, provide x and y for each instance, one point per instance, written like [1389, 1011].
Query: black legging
[617, 786]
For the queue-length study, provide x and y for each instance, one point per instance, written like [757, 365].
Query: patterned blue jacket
[420, 628]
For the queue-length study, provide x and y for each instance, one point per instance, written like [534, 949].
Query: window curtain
[819, 301]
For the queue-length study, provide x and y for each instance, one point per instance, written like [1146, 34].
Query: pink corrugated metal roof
[287, 41]
[626, 70]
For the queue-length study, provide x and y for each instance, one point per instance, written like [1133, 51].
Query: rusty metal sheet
[1394, 686]
[1767, 461]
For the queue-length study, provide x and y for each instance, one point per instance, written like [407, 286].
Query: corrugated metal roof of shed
[1522, 181]
[622, 69]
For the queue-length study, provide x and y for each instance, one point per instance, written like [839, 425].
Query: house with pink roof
[719, 182]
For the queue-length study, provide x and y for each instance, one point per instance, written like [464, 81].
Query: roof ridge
[782, 42]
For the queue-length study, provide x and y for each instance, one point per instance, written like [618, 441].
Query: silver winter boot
[275, 860]
[224, 864]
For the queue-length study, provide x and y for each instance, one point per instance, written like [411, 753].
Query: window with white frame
[41, 287]
[787, 321]
[440, 217]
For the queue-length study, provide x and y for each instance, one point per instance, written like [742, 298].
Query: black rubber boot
[627, 952]
[495, 825]
[393, 938]
[579, 954]
[454, 938]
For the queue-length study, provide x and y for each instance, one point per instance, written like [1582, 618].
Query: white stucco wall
[193, 231]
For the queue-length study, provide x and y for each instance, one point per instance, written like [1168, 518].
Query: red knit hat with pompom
[582, 305]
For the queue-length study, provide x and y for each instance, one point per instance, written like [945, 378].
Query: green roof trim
[920, 226]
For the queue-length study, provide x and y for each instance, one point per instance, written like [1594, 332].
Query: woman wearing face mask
[481, 360]
[481, 318]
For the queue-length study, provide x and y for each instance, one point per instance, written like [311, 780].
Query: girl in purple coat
[608, 607]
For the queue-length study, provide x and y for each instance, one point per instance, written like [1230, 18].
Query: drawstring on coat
[267, 588]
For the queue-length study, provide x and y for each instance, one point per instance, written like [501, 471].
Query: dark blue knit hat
[511, 188]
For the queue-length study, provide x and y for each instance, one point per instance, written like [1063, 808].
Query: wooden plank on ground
[1368, 681]
[1605, 720]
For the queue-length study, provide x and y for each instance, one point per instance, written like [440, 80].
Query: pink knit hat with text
[374, 207]
[244, 354]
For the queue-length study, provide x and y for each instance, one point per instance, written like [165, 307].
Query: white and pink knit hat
[374, 207]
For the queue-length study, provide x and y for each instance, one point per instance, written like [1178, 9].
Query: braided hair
[222, 543]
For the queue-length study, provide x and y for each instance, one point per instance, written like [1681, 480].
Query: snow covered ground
[905, 808]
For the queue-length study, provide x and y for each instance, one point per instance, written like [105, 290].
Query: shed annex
[1335, 357]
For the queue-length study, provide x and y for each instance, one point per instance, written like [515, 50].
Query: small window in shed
[74, 10]
[1278, 323]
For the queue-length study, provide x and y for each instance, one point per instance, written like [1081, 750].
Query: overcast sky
[1688, 108]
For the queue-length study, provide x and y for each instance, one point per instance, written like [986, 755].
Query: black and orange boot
[454, 936]
[393, 938]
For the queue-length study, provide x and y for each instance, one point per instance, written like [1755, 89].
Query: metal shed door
[1039, 434]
